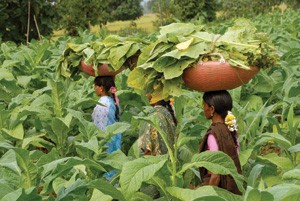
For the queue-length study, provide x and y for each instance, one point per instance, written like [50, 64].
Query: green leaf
[266, 137]
[76, 47]
[4, 188]
[284, 192]
[62, 166]
[256, 195]
[9, 63]
[244, 156]
[112, 40]
[292, 174]
[28, 168]
[179, 29]
[118, 127]
[137, 171]
[106, 188]
[9, 160]
[254, 176]
[22, 194]
[170, 67]
[116, 160]
[117, 55]
[295, 148]
[98, 195]
[92, 144]
[217, 162]
[6, 74]
[76, 191]
[36, 140]
[203, 193]
[24, 80]
[191, 52]
[138, 196]
[138, 76]
[17, 132]
[281, 162]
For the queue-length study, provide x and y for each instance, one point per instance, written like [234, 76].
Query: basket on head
[102, 70]
[215, 75]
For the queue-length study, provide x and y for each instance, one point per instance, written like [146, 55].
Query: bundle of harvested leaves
[179, 46]
[113, 50]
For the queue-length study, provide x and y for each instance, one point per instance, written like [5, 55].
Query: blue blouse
[104, 115]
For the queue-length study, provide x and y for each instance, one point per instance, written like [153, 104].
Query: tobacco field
[49, 147]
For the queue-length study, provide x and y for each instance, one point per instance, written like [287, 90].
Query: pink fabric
[212, 144]
[114, 90]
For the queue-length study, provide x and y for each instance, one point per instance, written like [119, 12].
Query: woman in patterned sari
[150, 141]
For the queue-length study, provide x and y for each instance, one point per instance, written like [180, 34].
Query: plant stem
[171, 155]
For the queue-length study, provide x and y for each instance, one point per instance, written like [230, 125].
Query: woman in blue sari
[107, 112]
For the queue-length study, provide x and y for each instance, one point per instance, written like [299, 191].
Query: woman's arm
[214, 180]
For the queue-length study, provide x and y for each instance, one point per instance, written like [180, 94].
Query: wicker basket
[102, 70]
[215, 75]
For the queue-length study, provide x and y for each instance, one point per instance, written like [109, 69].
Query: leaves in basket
[179, 45]
[112, 50]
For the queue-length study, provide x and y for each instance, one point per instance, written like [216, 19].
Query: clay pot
[102, 70]
[214, 75]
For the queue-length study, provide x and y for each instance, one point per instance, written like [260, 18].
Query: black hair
[221, 100]
[107, 82]
[167, 104]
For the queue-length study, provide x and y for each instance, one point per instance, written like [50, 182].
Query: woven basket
[102, 70]
[215, 75]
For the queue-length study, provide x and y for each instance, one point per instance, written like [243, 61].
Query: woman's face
[98, 89]
[208, 110]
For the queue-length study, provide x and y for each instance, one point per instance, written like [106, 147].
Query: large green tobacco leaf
[292, 174]
[217, 162]
[107, 189]
[295, 148]
[63, 166]
[152, 52]
[28, 169]
[116, 159]
[138, 76]
[9, 181]
[178, 30]
[274, 137]
[118, 127]
[204, 193]
[92, 145]
[255, 175]
[22, 194]
[281, 162]
[76, 191]
[116, 55]
[285, 192]
[98, 195]
[17, 132]
[256, 195]
[137, 171]
[244, 156]
[8, 89]
[9, 160]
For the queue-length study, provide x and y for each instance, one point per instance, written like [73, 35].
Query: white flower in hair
[230, 121]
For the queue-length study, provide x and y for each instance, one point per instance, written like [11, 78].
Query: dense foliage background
[49, 148]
